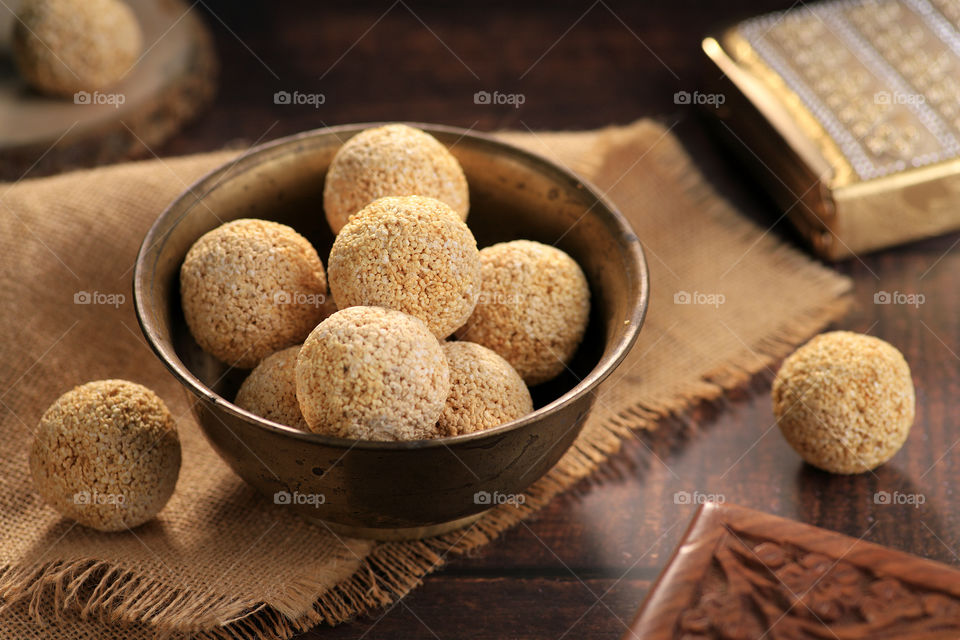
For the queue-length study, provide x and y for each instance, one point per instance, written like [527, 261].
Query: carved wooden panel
[744, 575]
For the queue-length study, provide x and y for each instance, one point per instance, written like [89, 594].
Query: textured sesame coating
[250, 288]
[485, 391]
[65, 46]
[392, 160]
[412, 254]
[270, 391]
[106, 454]
[533, 309]
[370, 373]
[844, 401]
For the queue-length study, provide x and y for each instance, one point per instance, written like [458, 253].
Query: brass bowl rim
[152, 245]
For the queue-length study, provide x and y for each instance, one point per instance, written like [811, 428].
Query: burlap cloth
[222, 561]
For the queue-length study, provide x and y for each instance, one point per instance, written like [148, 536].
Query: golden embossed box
[850, 113]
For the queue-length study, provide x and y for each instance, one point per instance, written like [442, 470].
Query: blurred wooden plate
[174, 78]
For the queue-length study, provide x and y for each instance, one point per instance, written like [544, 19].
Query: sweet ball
[370, 373]
[412, 254]
[392, 160]
[250, 288]
[106, 454]
[533, 309]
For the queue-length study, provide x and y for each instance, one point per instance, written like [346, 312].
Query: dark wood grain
[449, 606]
[617, 62]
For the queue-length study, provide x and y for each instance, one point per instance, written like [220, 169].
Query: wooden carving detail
[758, 588]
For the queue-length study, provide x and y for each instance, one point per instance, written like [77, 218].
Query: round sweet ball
[844, 401]
[533, 309]
[65, 46]
[249, 288]
[392, 160]
[106, 454]
[370, 373]
[270, 391]
[485, 391]
[411, 254]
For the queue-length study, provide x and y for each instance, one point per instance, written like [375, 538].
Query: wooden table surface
[584, 564]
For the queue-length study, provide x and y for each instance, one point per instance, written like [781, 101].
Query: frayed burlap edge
[393, 569]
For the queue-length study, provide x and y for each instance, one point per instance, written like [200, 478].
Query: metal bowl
[395, 490]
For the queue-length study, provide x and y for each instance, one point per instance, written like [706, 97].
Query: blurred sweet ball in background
[64, 46]
[91, 82]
